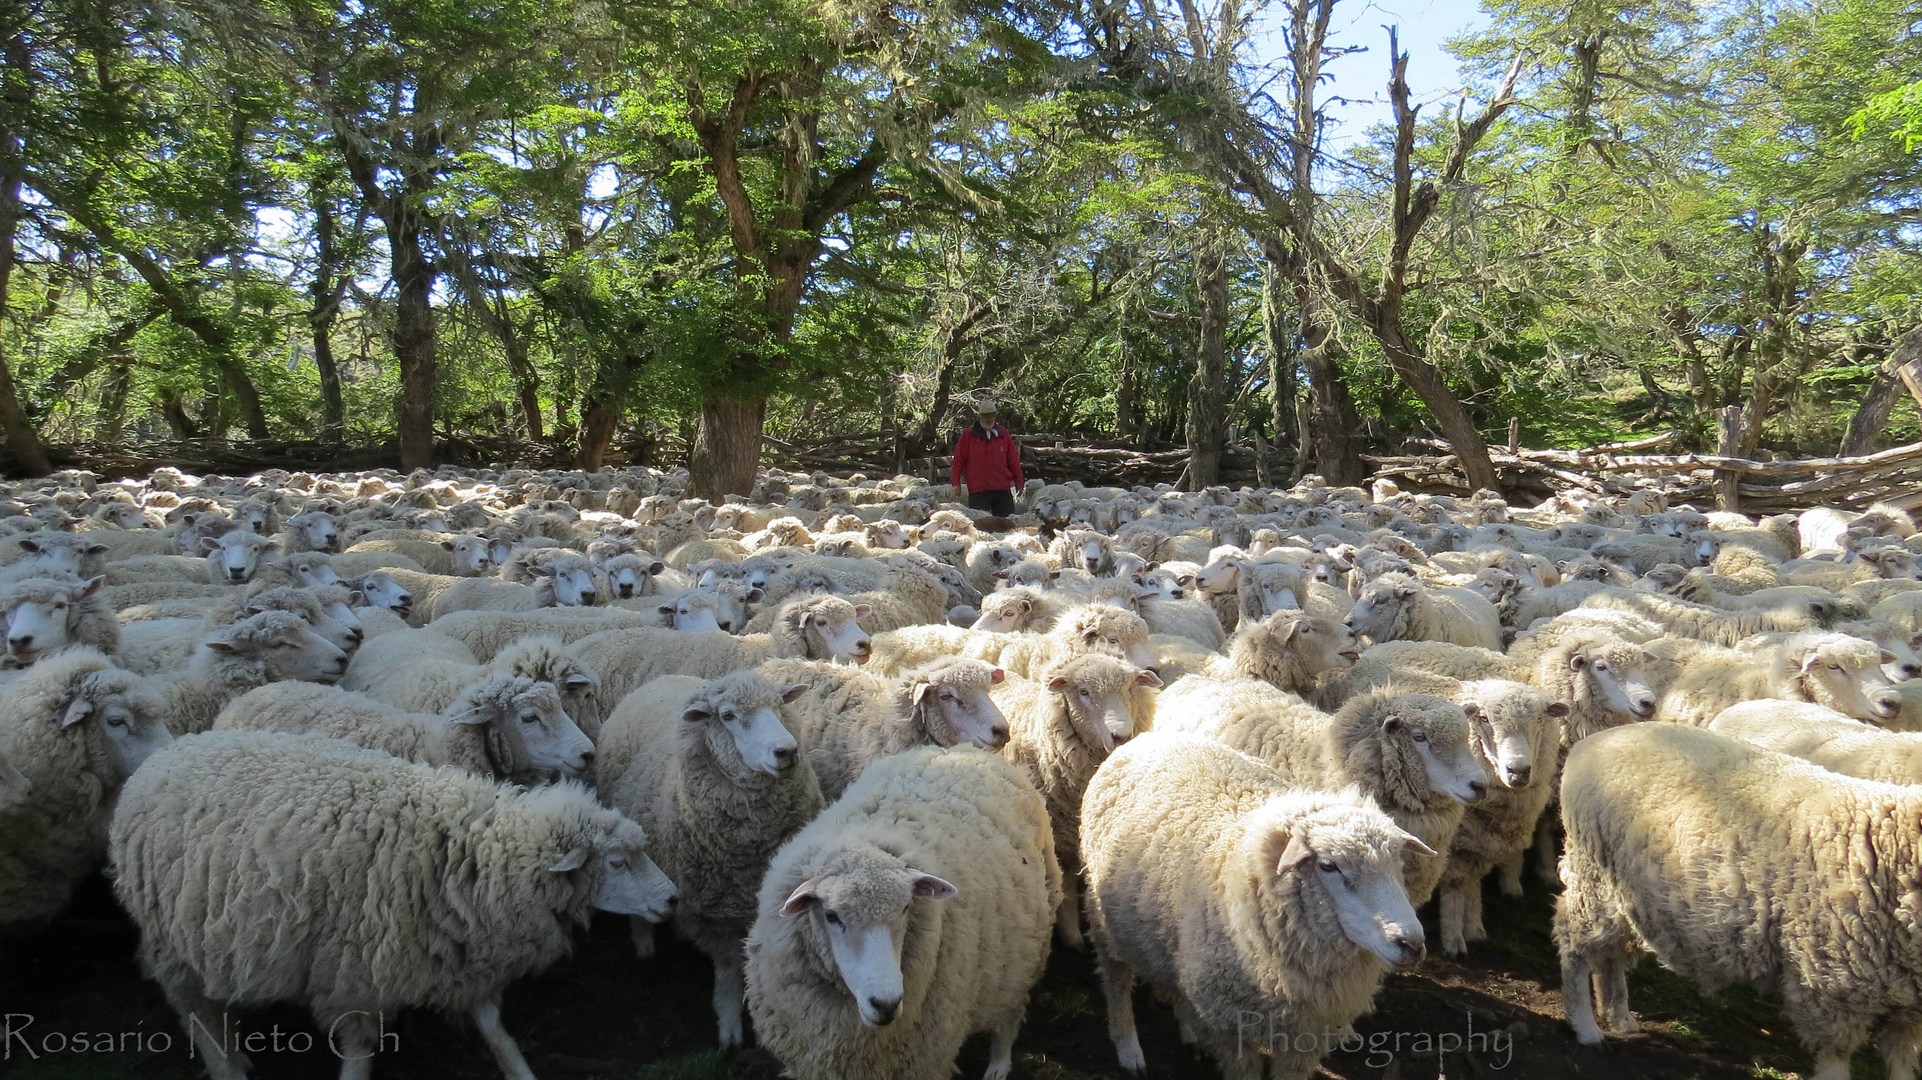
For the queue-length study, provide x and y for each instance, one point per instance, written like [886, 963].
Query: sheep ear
[30, 545]
[221, 645]
[270, 547]
[1811, 660]
[447, 545]
[655, 568]
[1391, 722]
[862, 611]
[1285, 630]
[77, 710]
[578, 680]
[997, 676]
[789, 693]
[92, 585]
[472, 716]
[1294, 856]
[1888, 657]
[208, 544]
[1144, 677]
[1058, 683]
[1577, 661]
[1411, 842]
[1557, 709]
[95, 549]
[799, 899]
[667, 609]
[697, 711]
[929, 887]
[573, 860]
[920, 691]
[1472, 710]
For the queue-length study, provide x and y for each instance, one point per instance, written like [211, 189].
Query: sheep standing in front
[387, 884]
[847, 718]
[234, 659]
[912, 913]
[1233, 893]
[1813, 898]
[715, 774]
[44, 615]
[1061, 727]
[75, 727]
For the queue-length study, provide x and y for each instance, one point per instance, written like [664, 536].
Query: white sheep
[848, 718]
[232, 558]
[44, 615]
[423, 671]
[1736, 864]
[1821, 735]
[1290, 651]
[854, 973]
[349, 853]
[310, 530]
[53, 554]
[502, 726]
[1061, 726]
[75, 727]
[1396, 607]
[1841, 672]
[488, 632]
[234, 659]
[1412, 753]
[1236, 894]
[713, 770]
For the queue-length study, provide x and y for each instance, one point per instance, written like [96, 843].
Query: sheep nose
[587, 759]
[1645, 707]
[1478, 788]
[1518, 775]
[1910, 671]
[20, 644]
[1412, 946]
[784, 756]
[237, 575]
[884, 1011]
[864, 646]
[587, 597]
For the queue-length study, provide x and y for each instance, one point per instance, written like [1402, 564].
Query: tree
[16, 97]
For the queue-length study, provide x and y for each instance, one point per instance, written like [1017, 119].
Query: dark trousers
[999, 503]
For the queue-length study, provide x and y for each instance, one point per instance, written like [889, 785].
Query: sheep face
[1665, 578]
[318, 530]
[630, 883]
[1893, 562]
[960, 592]
[254, 519]
[312, 569]
[888, 535]
[469, 555]
[334, 632]
[629, 576]
[742, 731]
[835, 634]
[1223, 575]
[38, 623]
[859, 909]
[287, 649]
[1157, 584]
[1123, 635]
[1032, 573]
[1093, 552]
[1358, 865]
[1323, 644]
[1095, 697]
[1381, 612]
[1842, 673]
[234, 557]
[732, 600]
[1436, 734]
[1505, 716]
[54, 554]
[126, 715]
[529, 716]
[1703, 546]
[380, 590]
[692, 613]
[960, 710]
[124, 516]
[1005, 613]
[1613, 682]
[1495, 585]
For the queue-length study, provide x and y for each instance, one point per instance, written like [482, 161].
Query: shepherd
[987, 464]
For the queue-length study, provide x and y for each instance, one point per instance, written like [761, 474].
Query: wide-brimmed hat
[985, 407]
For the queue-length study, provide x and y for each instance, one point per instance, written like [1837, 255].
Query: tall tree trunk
[728, 448]
[1208, 389]
[177, 419]
[23, 443]
[603, 406]
[110, 416]
[1281, 358]
[1873, 414]
[959, 337]
[413, 338]
[326, 291]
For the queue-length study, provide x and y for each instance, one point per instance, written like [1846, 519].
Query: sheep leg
[1901, 1046]
[1832, 1064]
[1118, 987]
[1611, 978]
[1067, 917]
[202, 1019]
[730, 997]
[1001, 1049]
[1454, 902]
[1511, 873]
[642, 932]
[1472, 928]
[1578, 999]
[352, 1038]
[1545, 854]
[507, 1052]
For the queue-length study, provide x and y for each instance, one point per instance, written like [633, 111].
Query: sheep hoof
[1454, 946]
[1128, 1050]
[1625, 1024]
[732, 1037]
[1511, 886]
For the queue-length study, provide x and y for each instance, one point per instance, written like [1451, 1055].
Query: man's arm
[1014, 462]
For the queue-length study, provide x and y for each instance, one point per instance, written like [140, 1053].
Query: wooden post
[1261, 460]
[1514, 436]
[1728, 443]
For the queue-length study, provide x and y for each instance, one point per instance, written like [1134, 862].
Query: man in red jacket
[988, 463]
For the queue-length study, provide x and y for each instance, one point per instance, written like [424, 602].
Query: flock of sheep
[371, 742]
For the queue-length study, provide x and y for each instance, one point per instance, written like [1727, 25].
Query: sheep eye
[1835, 667]
[833, 919]
[1328, 866]
[116, 721]
[61, 606]
[530, 718]
[617, 861]
[1601, 665]
[727, 716]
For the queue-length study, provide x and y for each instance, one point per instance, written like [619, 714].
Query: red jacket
[986, 464]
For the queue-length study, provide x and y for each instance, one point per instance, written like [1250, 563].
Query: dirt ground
[603, 1015]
